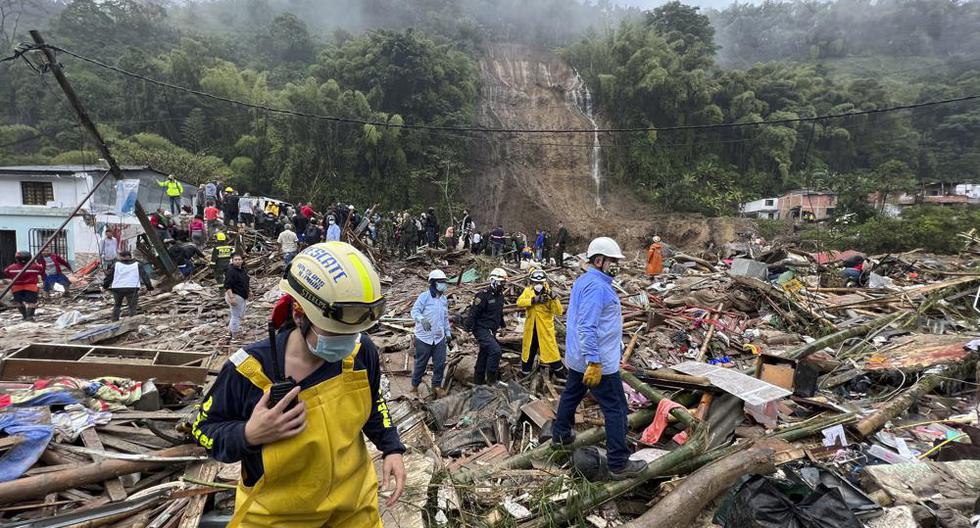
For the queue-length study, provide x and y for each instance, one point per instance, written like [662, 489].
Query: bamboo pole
[55, 481]
[897, 406]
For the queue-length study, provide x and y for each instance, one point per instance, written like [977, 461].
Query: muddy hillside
[526, 181]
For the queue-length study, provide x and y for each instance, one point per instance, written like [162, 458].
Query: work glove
[593, 375]
[426, 325]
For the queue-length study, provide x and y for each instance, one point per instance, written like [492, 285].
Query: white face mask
[333, 348]
[538, 287]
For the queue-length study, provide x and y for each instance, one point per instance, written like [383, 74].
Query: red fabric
[651, 435]
[27, 281]
[197, 225]
[307, 211]
[282, 311]
[59, 262]
[210, 213]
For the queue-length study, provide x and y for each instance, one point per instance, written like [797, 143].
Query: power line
[408, 126]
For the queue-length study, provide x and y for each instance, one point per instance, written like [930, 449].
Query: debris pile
[764, 390]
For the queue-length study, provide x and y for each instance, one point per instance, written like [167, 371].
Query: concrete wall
[821, 205]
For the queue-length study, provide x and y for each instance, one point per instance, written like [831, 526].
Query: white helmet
[437, 275]
[336, 286]
[606, 247]
[656, 238]
[499, 274]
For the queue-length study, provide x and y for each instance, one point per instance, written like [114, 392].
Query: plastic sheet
[763, 502]
[35, 433]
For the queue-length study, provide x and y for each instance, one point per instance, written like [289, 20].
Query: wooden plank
[206, 472]
[114, 486]
[122, 445]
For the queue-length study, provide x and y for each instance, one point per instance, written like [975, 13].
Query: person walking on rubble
[432, 334]
[304, 460]
[593, 351]
[410, 236]
[561, 242]
[54, 270]
[486, 318]
[25, 288]
[655, 258]
[541, 305]
[288, 244]
[123, 279]
[236, 293]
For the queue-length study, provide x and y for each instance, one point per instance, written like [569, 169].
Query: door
[8, 246]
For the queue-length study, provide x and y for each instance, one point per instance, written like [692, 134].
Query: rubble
[747, 361]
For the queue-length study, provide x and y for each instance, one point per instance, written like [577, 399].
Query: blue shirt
[333, 233]
[595, 324]
[436, 311]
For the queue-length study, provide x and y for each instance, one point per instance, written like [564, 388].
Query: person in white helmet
[486, 318]
[294, 409]
[593, 351]
[432, 333]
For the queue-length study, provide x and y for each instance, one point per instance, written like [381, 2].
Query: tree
[890, 177]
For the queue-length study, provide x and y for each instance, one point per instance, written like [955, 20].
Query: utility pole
[162, 259]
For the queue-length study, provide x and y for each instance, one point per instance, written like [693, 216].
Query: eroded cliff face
[529, 181]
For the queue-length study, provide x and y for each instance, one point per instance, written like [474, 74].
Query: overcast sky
[648, 4]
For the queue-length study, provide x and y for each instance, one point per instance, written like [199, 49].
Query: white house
[35, 200]
[764, 208]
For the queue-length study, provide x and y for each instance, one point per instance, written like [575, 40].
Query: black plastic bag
[763, 502]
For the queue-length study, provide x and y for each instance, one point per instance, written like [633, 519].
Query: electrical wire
[409, 126]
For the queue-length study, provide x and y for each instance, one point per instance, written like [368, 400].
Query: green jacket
[174, 187]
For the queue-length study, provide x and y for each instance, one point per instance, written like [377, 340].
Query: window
[39, 236]
[830, 212]
[770, 203]
[36, 193]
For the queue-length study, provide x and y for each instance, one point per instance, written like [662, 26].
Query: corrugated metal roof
[68, 168]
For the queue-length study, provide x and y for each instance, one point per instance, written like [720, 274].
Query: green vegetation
[659, 71]
[415, 61]
[931, 228]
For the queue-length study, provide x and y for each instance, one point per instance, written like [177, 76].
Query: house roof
[68, 169]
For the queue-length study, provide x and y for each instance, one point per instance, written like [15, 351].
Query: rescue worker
[432, 334]
[54, 270]
[655, 258]
[183, 255]
[541, 305]
[173, 189]
[221, 255]
[487, 319]
[123, 279]
[304, 460]
[25, 288]
[593, 351]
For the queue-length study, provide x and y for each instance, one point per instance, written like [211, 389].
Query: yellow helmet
[336, 286]
[220, 236]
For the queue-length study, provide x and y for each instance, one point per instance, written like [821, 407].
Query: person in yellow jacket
[174, 189]
[294, 409]
[541, 306]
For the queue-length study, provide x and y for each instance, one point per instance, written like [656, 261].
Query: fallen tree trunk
[682, 505]
[591, 436]
[897, 406]
[40, 485]
[839, 337]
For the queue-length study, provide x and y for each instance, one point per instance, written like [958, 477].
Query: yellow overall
[322, 476]
[540, 318]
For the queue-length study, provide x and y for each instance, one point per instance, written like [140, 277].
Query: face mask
[538, 287]
[495, 284]
[333, 348]
[330, 222]
[441, 287]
